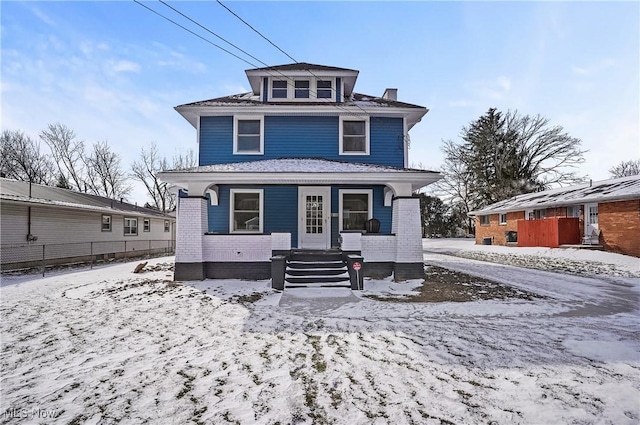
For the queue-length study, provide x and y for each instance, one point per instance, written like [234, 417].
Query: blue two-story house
[302, 162]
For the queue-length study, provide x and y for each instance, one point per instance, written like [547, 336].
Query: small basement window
[106, 223]
[130, 226]
[485, 220]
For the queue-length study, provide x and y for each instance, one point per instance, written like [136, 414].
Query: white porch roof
[301, 171]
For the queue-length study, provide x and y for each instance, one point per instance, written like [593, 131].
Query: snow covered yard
[108, 346]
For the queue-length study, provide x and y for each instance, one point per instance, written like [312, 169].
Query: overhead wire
[267, 68]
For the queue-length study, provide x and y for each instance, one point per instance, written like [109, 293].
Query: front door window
[315, 207]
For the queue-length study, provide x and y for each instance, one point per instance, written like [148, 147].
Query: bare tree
[147, 168]
[22, 159]
[503, 155]
[625, 169]
[105, 176]
[68, 153]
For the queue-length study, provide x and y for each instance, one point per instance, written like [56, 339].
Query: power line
[257, 32]
[327, 101]
[197, 35]
[211, 32]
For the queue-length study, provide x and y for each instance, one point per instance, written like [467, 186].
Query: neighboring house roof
[593, 192]
[299, 171]
[19, 191]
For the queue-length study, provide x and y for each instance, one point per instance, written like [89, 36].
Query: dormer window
[298, 88]
[324, 89]
[279, 89]
[302, 89]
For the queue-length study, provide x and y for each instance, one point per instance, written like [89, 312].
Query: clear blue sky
[114, 71]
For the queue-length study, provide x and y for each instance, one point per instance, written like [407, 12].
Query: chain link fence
[32, 256]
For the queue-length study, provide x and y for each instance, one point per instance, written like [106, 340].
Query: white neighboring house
[61, 226]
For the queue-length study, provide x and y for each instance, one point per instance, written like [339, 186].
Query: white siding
[60, 225]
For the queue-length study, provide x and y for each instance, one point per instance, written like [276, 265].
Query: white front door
[314, 222]
[590, 219]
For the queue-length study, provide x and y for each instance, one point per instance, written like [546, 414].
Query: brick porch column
[409, 262]
[192, 223]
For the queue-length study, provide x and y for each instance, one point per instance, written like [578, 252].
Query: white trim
[342, 192]
[500, 222]
[367, 133]
[124, 227]
[232, 193]
[318, 190]
[237, 118]
[291, 89]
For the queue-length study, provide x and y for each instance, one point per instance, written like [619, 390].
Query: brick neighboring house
[604, 213]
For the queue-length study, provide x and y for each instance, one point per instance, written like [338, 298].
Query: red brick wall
[619, 224]
[495, 230]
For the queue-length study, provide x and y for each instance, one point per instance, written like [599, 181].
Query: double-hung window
[503, 218]
[485, 220]
[279, 89]
[246, 211]
[324, 89]
[130, 226]
[354, 136]
[301, 89]
[106, 223]
[356, 207]
[146, 225]
[573, 211]
[248, 135]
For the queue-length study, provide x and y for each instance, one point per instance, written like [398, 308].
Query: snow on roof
[298, 165]
[600, 191]
[250, 99]
[18, 191]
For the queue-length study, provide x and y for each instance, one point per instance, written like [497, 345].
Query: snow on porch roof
[592, 192]
[299, 165]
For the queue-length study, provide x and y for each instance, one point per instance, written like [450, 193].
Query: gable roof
[593, 192]
[19, 191]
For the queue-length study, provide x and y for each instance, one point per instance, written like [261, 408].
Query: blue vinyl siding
[216, 140]
[281, 210]
[301, 137]
[380, 212]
